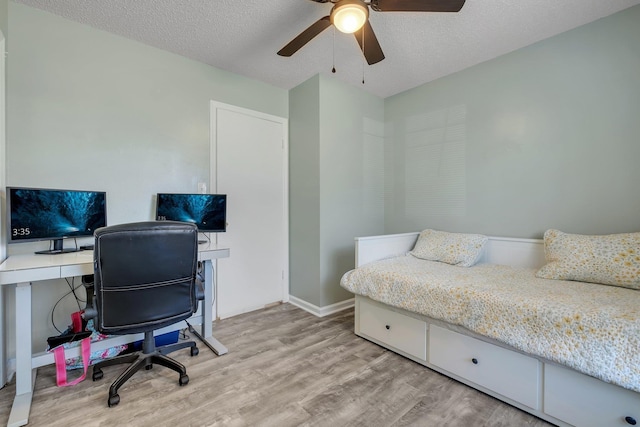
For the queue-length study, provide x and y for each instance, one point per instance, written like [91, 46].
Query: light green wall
[94, 110]
[4, 308]
[544, 137]
[91, 110]
[304, 191]
[4, 17]
[336, 183]
[351, 179]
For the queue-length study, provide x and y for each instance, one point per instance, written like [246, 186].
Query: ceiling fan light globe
[349, 16]
[349, 23]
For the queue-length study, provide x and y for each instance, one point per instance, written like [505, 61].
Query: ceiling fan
[352, 16]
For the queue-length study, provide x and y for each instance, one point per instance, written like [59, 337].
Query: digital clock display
[22, 231]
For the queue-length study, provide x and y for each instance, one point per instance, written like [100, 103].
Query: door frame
[213, 178]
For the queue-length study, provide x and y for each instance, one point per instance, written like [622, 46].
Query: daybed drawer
[506, 372]
[397, 330]
[581, 400]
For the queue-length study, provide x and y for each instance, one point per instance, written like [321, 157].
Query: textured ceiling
[243, 36]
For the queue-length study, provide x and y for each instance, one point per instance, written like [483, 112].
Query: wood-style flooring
[285, 367]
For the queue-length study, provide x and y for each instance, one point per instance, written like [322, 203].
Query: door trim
[213, 176]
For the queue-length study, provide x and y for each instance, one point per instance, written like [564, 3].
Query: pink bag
[61, 366]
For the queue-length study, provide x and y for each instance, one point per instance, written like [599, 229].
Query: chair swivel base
[138, 361]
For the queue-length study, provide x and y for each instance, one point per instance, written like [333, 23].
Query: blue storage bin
[164, 339]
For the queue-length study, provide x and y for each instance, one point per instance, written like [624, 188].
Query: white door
[249, 164]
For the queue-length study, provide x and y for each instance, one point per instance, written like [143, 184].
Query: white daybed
[542, 386]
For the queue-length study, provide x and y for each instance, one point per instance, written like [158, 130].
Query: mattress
[594, 329]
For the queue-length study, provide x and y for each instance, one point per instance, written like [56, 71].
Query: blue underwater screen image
[38, 214]
[207, 211]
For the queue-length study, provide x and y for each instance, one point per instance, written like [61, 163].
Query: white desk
[24, 270]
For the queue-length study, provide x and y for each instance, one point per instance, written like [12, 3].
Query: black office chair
[146, 278]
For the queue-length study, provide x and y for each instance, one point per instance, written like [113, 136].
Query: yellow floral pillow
[459, 249]
[612, 259]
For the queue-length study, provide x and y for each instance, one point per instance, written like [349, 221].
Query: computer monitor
[48, 214]
[207, 211]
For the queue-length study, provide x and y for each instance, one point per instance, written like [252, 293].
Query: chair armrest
[89, 312]
[199, 287]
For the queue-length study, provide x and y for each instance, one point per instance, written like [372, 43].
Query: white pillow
[612, 259]
[459, 249]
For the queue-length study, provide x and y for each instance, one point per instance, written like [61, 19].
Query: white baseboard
[321, 311]
[226, 315]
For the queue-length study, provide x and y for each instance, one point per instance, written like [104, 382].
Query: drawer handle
[630, 420]
[387, 326]
[474, 361]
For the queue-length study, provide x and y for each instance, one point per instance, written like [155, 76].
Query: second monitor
[207, 211]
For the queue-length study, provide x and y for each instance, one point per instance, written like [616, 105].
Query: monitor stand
[57, 249]
[202, 241]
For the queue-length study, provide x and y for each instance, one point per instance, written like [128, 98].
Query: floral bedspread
[594, 329]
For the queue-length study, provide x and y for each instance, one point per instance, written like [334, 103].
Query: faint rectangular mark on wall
[373, 168]
[435, 168]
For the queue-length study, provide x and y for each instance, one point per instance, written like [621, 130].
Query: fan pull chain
[363, 55]
[333, 70]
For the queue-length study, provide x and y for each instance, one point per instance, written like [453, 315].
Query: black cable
[54, 309]
[73, 289]
[183, 334]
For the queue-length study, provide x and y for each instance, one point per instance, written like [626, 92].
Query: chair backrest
[144, 275]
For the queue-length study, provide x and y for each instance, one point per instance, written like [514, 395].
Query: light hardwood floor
[285, 367]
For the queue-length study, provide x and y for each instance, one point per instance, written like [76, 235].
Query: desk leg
[25, 375]
[207, 318]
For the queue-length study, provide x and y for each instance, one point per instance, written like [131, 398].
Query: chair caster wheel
[113, 400]
[97, 374]
[184, 380]
[194, 351]
[148, 367]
